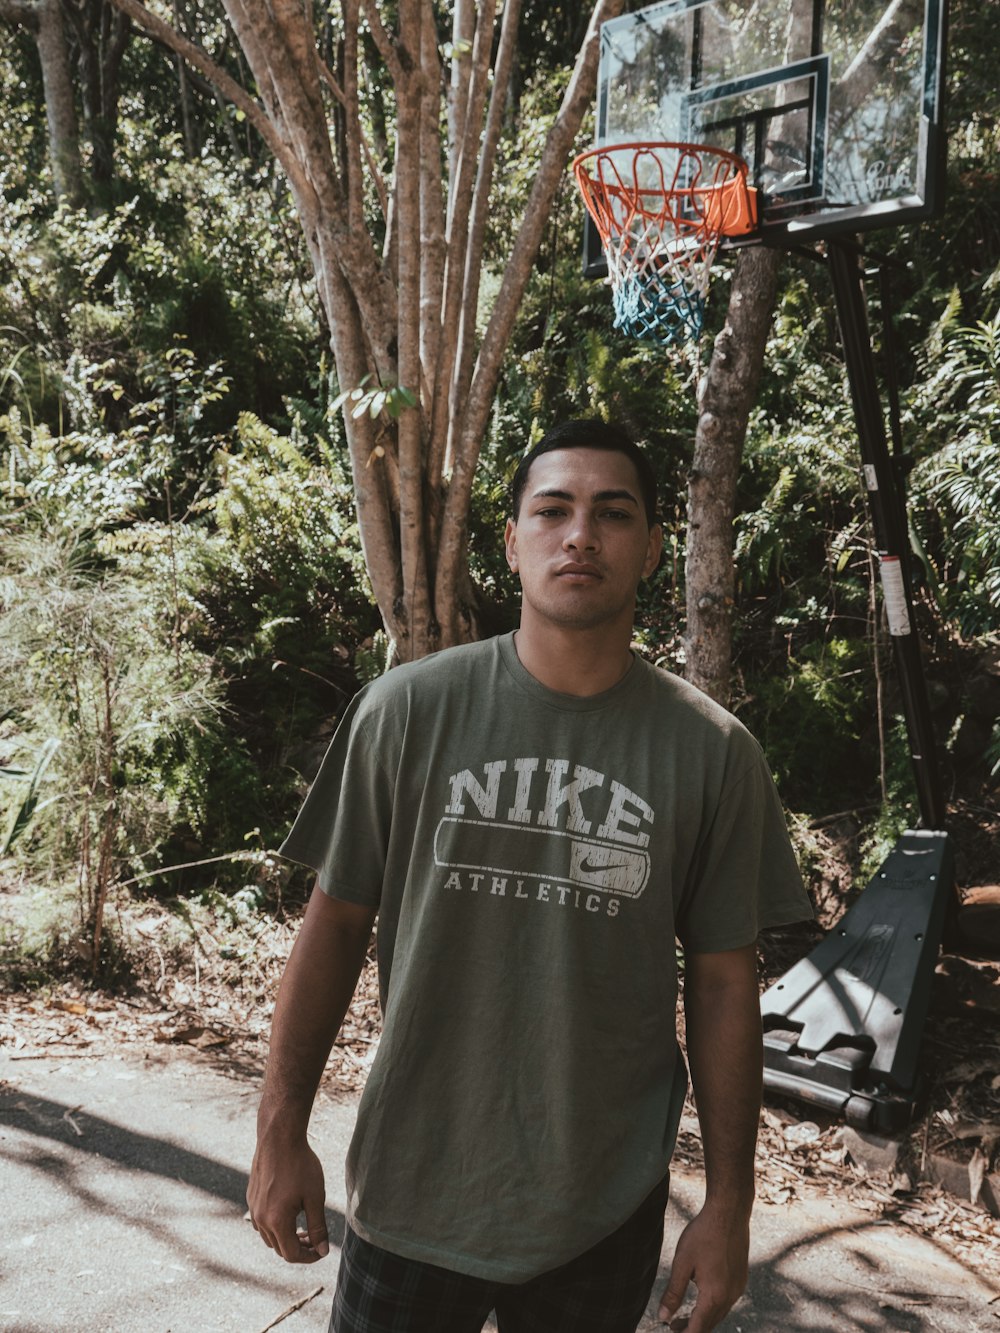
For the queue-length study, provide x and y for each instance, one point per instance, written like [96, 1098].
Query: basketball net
[661, 210]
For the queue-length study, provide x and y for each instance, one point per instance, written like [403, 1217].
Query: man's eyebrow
[598, 497]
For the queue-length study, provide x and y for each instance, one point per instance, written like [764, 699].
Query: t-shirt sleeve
[342, 830]
[744, 875]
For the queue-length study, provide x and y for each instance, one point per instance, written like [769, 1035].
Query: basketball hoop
[661, 210]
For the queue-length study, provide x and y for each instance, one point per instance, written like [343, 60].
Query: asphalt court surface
[123, 1185]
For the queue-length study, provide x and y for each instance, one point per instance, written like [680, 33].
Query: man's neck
[573, 661]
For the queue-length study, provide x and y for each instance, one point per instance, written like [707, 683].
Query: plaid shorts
[604, 1290]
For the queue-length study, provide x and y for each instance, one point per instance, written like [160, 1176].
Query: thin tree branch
[199, 58]
[459, 207]
[330, 79]
[288, 66]
[411, 471]
[352, 126]
[463, 30]
[383, 41]
[476, 411]
[327, 75]
[465, 341]
[860, 77]
[433, 244]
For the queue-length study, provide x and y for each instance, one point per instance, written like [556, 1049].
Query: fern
[957, 484]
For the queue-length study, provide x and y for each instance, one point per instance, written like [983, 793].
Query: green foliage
[122, 457]
[898, 810]
[993, 751]
[188, 661]
[957, 483]
[86, 660]
[804, 628]
[372, 658]
[814, 720]
[192, 256]
[287, 550]
[267, 580]
[26, 802]
[393, 399]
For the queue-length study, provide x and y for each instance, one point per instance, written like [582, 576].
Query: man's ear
[510, 543]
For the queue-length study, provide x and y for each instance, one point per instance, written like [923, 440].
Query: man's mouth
[578, 572]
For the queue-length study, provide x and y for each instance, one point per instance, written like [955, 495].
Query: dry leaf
[69, 1006]
[189, 1034]
[802, 1134]
[194, 1035]
[209, 1038]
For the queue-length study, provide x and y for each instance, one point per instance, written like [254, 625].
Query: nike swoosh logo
[589, 869]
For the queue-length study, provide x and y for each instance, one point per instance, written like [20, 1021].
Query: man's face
[580, 543]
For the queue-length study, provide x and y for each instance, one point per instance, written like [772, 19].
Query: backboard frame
[800, 215]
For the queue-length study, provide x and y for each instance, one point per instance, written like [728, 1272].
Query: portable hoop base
[661, 210]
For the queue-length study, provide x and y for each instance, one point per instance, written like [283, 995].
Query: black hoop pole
[888, 511]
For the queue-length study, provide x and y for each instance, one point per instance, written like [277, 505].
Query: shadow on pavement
[818, 1265]
[132, 1151]
[821, 1265]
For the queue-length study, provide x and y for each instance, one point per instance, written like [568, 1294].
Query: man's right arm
[286, 1178]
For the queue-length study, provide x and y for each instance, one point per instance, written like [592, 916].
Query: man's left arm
[722, 1013]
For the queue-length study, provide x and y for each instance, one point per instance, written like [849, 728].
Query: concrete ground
[122, 1182]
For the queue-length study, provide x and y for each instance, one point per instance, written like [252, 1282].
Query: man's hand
[285, 1181]
[711, 1253]
[286, 1178]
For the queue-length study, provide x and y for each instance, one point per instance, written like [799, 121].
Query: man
[534, 820]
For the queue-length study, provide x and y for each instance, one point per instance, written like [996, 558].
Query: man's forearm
[722, 1010]
[316, 990]
[724, 1051]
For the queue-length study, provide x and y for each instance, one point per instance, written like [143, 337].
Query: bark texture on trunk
[102, 34]
[60, 106]
[726, 398]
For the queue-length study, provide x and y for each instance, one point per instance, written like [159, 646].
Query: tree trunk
[726, 398]
[60, 107]
[401, 297]
[102, 34]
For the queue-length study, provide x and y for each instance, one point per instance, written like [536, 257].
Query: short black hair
[588, 433]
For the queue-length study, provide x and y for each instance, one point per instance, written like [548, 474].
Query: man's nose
[581, 535]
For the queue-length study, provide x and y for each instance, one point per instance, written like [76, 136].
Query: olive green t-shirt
[533, 856]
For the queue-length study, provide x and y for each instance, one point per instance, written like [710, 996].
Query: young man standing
[535, 820]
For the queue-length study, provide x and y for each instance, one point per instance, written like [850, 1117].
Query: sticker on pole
[894, 594]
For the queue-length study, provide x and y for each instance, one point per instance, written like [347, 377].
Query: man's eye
[617, 513]
[549, 513]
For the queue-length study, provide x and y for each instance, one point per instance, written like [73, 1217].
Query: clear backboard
[835, 105]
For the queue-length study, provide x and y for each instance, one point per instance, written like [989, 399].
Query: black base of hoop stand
[842, 1028]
